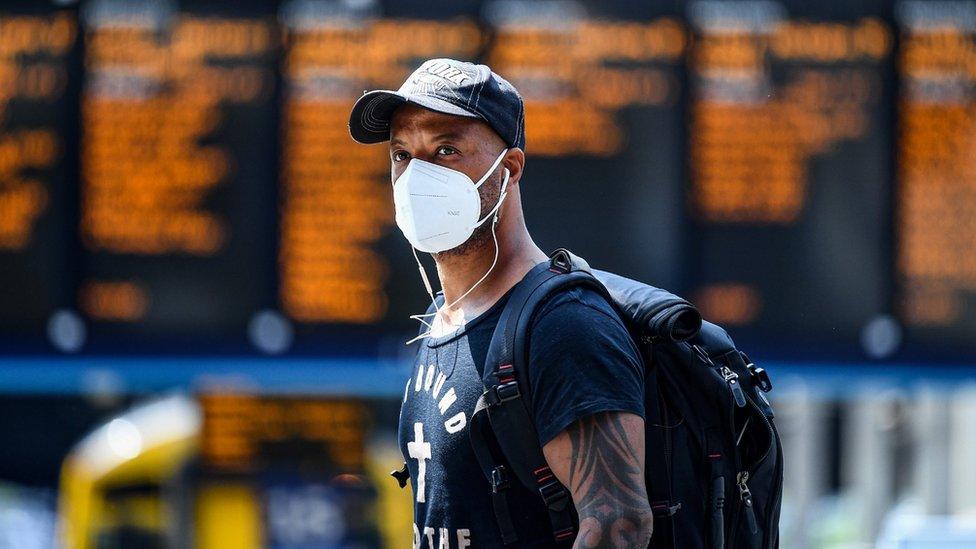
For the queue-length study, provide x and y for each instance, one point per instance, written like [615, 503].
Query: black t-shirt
[582, 361]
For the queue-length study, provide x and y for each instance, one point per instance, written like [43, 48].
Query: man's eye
[400, 156]
[445, 150]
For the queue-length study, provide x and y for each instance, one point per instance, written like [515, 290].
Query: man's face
[467, 145]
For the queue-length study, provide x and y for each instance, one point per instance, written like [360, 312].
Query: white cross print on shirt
[419, 450]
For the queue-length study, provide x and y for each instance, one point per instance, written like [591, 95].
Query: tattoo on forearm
[607, 478]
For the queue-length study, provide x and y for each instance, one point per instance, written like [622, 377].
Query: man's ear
[515, 162]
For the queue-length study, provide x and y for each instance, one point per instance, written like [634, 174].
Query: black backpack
[714, 463]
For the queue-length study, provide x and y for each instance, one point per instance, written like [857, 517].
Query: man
[456, 140]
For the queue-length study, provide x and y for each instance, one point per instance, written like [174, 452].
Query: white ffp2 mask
[437, 208]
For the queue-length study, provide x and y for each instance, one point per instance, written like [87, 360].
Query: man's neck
[517, 254]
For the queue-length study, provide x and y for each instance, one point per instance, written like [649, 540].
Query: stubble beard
[481, 237]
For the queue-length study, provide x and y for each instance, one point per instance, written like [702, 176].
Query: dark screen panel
[741, 153]
[936, 224]
[602, 84]
[342, 262]
[178, 165]
[790, 177]
[38, 49]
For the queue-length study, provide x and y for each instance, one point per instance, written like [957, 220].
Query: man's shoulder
[577, 304]
[578, 318]
[582, 360]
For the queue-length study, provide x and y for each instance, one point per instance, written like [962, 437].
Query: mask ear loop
[427, 286]
[494, 261]
[491, 170]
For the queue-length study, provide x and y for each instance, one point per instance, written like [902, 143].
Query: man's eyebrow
[448, 135]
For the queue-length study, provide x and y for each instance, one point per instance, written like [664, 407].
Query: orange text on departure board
[32, 73]
[337, 198]
[148, 105]
[937, 169]
[752, 138]
[242, 433]
[576, 77]
[150, 102]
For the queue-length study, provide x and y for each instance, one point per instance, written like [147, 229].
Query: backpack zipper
[741, 400]
[732, 380]
[767, 515]
[738, 396]
[746, 497]
[777, 489]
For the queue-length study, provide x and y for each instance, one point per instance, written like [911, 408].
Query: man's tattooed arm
[600, 458]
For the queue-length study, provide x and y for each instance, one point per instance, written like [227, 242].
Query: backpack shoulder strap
[505, 400]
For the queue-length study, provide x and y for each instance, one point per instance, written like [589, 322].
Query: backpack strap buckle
[554, 494]
[502, 393]
[499, 479]
[499, 483]
[556, 498]
[761, 378]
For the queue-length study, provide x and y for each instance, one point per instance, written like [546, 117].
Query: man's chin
[480, 239]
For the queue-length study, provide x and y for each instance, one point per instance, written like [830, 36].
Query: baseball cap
[447, 86]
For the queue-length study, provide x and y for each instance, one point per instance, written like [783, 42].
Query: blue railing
[372, 377]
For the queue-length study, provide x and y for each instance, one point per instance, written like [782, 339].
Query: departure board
[37, 45]
[789, 159]
[602, 84]
[177, 175]
[177, 169]
[936, 224]
[248, 433]
[341, 259]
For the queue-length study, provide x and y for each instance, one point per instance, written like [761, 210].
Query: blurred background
[204, 299]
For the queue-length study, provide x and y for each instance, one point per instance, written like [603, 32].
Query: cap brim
[369, 121]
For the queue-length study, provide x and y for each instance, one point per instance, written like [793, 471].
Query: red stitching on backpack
[564, 533]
